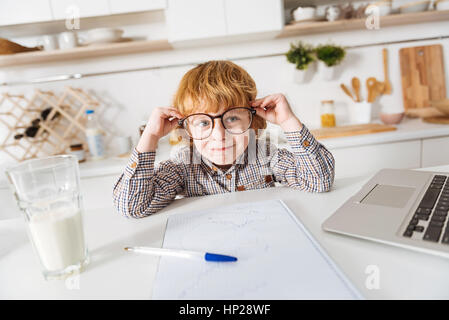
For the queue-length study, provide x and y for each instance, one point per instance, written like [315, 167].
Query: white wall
[128, 97]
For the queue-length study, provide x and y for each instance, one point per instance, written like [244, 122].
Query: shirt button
[215, 169]
[306, 143]
[133, 165]
[241, 188]
[229, 176]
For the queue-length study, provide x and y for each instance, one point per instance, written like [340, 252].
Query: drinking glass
[47, 190]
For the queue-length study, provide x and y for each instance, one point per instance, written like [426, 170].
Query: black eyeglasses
[199, 126]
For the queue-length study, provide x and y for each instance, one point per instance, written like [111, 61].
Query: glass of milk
[48, 192]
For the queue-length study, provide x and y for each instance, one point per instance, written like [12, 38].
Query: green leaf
[301, 55]
[331, 55]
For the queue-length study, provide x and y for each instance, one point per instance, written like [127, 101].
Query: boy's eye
[201, 123]
[232, 119]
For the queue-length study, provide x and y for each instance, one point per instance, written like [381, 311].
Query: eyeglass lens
[235, 121]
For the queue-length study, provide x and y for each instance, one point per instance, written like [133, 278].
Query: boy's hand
[275, 109]
[159, 124]
[157, 127]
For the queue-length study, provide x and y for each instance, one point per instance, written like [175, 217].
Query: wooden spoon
[371, 86]
[356, 86]
[387, 82]
[346, 90]
[378, 89]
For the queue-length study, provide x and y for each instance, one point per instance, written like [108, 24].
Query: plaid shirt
[144, 189]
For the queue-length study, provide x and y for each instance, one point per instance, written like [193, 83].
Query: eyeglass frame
[252, 112]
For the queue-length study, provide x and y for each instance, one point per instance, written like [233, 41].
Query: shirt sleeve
[309, 166]
[142, 189]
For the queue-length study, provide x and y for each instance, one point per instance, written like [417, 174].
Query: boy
[215, 104]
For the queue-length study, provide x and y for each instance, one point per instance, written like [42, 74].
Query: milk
[58, 238]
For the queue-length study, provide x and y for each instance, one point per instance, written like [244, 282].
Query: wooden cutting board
[437, 120]
[351, 130]
[422, 74]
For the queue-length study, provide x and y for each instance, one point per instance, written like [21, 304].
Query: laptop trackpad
[389, 196]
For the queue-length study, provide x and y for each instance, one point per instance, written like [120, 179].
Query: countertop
[408, 129]
[114, 274]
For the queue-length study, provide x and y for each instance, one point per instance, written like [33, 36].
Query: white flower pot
[327, 73]
[301, 76]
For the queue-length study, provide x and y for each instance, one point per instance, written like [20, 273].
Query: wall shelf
[140, 46]
[103, 50]
[306, 28]
[57, 26]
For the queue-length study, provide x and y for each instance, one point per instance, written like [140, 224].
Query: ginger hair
[216, 85]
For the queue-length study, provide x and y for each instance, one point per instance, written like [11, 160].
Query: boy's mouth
[221, 149]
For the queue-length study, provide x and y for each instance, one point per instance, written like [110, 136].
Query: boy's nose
[219, 132]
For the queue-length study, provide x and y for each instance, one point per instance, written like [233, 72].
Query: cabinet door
[63, 9]
[357, 161]
[195, 19]
[24, 11]
[435, 152]
[120, 6]
[251, 16]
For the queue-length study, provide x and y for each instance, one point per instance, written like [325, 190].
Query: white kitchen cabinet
[24, 11]
[120, 6]
[202, 19]
[63, 9]
[362, 160]
[435, 151]
[195, 19]
[252, 16]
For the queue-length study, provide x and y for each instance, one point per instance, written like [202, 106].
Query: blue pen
[183, 254]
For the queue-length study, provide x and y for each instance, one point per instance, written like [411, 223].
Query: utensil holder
[360, 112]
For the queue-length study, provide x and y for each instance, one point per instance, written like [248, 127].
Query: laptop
[405, 208]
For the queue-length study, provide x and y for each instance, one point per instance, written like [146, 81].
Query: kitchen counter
[408, 129]
[115, 274]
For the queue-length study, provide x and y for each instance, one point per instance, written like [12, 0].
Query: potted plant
[301, 55]
[330, 56]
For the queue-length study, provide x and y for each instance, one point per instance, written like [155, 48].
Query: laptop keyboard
[430, 219]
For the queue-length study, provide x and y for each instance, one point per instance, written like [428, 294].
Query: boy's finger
[267, 103]
[170, 113]
[175, 110]
[165, 109]
[260, 112]
[258, 101]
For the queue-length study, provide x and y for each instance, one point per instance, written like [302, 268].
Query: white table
[115, 274]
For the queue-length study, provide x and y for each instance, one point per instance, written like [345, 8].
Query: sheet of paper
[277, 257]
